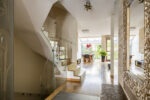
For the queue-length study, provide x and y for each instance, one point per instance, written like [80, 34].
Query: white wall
[104, 41]
[69, 33]
[66, 30]
[79, 49]
[28, 68]
[50, 27]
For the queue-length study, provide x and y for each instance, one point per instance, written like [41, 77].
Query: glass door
[6, 50]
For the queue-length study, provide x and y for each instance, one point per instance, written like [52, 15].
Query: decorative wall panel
[147, 48]
[122, 40]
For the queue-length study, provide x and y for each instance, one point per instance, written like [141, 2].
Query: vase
[103, 58]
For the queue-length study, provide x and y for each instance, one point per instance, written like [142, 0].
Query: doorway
[89, 49]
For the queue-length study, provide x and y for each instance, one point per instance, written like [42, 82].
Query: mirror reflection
[136, 53]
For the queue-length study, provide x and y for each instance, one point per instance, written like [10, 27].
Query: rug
[112, 92]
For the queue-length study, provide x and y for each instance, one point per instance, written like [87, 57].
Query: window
[108, 49]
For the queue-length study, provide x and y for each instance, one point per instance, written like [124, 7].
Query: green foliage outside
[97, 56]
[100, 52]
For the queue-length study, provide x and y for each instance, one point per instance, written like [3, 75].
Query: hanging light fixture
[88, 5]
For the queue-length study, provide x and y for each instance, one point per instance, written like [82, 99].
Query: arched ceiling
[97, 20]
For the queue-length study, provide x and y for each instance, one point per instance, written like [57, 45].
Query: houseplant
[103, 54]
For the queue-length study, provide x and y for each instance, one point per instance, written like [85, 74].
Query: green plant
[103, 53]
[99, 47]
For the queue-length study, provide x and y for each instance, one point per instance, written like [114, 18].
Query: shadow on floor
[74, 96]
[18, 96]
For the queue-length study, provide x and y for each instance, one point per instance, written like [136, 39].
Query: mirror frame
[141, 89]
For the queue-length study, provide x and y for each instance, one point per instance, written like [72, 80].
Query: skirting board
[56, 92]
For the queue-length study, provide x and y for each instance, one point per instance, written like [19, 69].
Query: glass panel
[1, 72]
[6, 50]
[62, 53]
[60, 65]
[136, 39]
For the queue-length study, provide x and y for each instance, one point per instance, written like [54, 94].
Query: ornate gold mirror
[137, 79]
[136, 21]
[136, 38]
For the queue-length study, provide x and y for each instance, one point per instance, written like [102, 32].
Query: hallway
[42, 46]
[97, 83]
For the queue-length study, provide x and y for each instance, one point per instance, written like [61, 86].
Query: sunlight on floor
[97, 73]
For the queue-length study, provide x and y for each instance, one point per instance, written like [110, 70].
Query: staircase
[64, 68]
[28, 20]
[74, 73]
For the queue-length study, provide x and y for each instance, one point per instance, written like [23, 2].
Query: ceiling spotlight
[88, 5]
[85, 30]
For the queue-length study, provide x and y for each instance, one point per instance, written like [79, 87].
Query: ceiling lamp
[88, 5]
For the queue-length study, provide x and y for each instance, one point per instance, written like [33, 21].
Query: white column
[112, 45]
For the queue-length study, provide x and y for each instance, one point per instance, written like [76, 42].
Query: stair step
[82, 75]
[77, 71]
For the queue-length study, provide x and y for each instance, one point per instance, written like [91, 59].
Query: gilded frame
[140, 89]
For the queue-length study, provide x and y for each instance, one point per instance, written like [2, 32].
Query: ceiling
[97, 21]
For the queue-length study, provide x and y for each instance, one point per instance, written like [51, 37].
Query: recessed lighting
[85, 30]
[133, 28]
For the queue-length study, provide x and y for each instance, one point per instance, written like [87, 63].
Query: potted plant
[103, 54]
